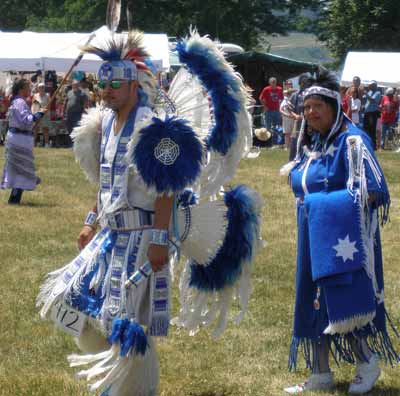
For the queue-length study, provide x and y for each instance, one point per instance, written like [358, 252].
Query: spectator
[360, 89]
[354, 106]
[271, 97]
[373, 99]
[297, 104]
[287, 117]
[4, 105]
[40, 101]
[75, 104]
[389, 110]
[345, 95]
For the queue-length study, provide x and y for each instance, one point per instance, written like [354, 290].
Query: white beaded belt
[130, 220]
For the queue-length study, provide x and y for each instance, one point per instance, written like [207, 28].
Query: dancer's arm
[87, 233]
[158, 254]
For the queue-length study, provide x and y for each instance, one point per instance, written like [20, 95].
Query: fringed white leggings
[144, 373]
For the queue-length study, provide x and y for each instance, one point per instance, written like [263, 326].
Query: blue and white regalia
[171, 144]
[341, 197]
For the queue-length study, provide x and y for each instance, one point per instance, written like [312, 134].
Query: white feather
[207, 231]
[192, 103]
[87, 143]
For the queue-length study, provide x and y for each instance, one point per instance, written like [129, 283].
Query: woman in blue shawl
[341, 194]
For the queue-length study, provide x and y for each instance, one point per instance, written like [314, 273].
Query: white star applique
[345, 249]
[331, 150]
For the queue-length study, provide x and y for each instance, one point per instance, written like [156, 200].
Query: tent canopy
[257, 67]
[30, 51]
[383, 67]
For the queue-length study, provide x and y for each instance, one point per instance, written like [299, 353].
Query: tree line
[342, 24]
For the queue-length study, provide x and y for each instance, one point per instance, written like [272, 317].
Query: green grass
[251, 359]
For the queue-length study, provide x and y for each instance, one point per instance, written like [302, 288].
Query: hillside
[299, 46]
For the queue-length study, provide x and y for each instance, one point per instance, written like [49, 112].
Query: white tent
[30, 51]
[383, 67]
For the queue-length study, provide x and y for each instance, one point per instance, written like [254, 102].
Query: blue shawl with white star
[339, 258]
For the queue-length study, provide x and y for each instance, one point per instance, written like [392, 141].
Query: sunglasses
[114, 84]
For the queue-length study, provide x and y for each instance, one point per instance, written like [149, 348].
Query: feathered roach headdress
[125, 58]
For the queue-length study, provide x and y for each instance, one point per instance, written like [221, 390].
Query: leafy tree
[239, 21]
[360, 25]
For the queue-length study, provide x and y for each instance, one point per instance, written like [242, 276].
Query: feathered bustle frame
[207, 291]
[238, 247]
[224, 85]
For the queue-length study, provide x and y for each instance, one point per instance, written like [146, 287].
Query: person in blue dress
[341, 198]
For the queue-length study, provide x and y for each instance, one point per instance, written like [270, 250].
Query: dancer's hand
[158, 256]
[85, 236]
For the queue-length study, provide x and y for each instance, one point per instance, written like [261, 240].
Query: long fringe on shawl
[342, 346]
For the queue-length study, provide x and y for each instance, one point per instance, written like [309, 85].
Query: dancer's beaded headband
[118, 70]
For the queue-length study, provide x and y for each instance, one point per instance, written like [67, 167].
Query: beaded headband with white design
[118, 70]
[316, 90]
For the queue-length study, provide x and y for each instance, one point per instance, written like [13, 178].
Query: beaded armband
[91, 220]
[159, 237]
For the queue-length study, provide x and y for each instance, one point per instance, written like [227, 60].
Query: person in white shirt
[287, 119]
[40, 102]
[354, 106]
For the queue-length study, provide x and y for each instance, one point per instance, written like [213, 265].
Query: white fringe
[350, 324]
[133, 374]
[202, 308]
[87, 142]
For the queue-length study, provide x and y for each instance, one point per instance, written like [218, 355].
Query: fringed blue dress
[339, 280]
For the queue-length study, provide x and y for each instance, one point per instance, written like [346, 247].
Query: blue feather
[238, 246]
[118, 327]
[133, 340]
[187, 166]
[223, 87]
[130, 335]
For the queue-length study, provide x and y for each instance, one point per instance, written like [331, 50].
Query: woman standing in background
[19, 171]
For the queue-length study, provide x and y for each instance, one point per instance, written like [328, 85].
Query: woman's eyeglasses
[114, 84]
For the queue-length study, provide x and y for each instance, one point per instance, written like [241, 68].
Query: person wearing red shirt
[389, 109]
[271, 98]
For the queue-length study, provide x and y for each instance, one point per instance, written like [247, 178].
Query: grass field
[251, 359]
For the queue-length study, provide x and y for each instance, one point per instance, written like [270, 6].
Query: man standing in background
[75, 104]
[371, 115]
[271, 98]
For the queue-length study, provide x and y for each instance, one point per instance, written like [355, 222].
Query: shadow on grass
[214, 392]
[38, 205]
[378, 390]
[210, 393]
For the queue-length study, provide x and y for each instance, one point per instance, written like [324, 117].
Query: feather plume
[113, 14]
[110, 50]
[129, 15]
[134, 46]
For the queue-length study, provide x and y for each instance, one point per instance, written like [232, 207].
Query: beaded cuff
[91, 219]
[159, 237]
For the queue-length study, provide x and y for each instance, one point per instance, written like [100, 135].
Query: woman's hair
[356, 90]
[17, 86]
[326, 79]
